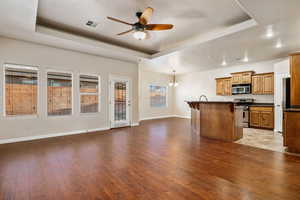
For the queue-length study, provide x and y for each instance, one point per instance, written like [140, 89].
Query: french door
[119, 102]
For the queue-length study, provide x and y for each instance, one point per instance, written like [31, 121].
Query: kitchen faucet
[200, 98]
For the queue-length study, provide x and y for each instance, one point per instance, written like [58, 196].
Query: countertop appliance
[241, 89]
[244, 104]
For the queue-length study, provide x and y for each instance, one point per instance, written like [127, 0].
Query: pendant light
[173, 83]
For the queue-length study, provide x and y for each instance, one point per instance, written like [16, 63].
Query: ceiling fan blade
[159, 27]
[120, 21]
[126, 32]
[145, 17]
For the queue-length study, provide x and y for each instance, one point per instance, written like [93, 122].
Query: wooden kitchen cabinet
[223, 86]
[268, 83]
[246, 77]
[295, 79]
[254, 119]
[257, 84]
[219, 87]
[263, 84]
[267, 119]
[236, 79]
[262, 117]
[291, 133]
[241, 78]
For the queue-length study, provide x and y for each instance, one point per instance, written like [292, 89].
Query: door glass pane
[120, 101]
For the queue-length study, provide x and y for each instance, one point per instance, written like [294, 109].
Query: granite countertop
[292, 110]
[252, 104]
[262, 104]
[232, 102]
[206, 102]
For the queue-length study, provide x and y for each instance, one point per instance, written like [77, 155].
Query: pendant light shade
[173, 83]
[139, 35]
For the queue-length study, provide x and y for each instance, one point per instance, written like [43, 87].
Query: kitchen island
[217, 120]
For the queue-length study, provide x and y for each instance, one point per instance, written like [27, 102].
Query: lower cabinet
[262, 117]
[291, 131]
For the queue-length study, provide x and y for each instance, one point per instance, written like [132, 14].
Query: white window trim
[167, 95]
[20, 66]
[72, 96]
[99, 95]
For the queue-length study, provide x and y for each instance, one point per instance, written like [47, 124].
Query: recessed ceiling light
[270, 32]
[224, 63]
[246, 59]
[279, 44]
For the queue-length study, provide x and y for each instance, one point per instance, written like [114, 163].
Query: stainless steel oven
[243, 104]
[241, 89]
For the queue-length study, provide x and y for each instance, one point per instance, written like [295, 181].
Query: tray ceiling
[191, 18]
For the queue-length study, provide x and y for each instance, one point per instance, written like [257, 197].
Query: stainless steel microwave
[241, 89]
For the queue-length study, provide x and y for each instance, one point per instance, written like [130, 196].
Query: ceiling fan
[139, 28]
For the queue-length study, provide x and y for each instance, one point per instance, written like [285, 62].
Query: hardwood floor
[161, 159]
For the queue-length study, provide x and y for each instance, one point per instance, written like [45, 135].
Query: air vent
[91, 24]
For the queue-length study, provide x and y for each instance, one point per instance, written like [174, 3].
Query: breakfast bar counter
[219, 120]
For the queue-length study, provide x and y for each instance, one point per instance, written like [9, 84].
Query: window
[59, 93]
[20, 90]
[158, 96]
[89, 94]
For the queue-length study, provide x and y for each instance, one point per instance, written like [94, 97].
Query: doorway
[119, 102]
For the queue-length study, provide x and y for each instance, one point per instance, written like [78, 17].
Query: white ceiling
[282, 16]
[206, 31]
[231, 48]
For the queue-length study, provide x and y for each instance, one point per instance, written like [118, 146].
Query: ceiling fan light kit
[141, 27]
[139, 35]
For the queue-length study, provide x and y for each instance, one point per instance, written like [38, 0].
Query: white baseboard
[185, 117]
[135, 124]
[36, 137]
[158, 117]
[166, 116]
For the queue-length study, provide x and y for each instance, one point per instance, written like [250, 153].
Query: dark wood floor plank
[161, 159]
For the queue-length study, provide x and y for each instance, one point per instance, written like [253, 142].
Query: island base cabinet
[216, 120]
[195, 121]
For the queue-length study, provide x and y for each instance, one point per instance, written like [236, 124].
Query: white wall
[192, 85]
[281, 70]
[19, 52]
[148, 78]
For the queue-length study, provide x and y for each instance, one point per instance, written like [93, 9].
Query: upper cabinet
[295, 79]
[223, 86]
[263, 84]
[241, 78]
